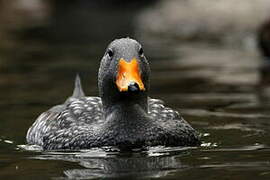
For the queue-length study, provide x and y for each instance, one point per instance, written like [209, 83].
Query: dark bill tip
[133, 87]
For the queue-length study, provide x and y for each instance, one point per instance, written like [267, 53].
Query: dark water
[215, 88]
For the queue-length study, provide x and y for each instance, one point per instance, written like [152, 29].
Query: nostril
[133, 87]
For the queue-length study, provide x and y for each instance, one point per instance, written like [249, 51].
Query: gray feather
[78, 90]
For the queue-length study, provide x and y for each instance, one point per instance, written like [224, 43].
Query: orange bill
[128, 72]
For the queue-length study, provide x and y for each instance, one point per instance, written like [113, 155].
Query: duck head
[123, 77]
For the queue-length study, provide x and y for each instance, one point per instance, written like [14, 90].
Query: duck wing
[78, 115]
[175, 130]
[158, 111]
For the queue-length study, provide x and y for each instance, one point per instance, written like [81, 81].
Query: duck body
[123, 117]
[80, 124]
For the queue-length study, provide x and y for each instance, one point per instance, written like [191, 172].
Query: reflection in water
[159, 162]
[131, 167]
[98, 163]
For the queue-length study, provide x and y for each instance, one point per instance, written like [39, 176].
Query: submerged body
[124, 116]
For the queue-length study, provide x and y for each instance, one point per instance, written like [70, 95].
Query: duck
[123, 116]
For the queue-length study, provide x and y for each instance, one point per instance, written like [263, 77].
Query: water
[214, 87]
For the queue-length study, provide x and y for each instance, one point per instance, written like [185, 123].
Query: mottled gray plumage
[123, 119]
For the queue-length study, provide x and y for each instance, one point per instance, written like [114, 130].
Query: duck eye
[141, 51]
[110, 53]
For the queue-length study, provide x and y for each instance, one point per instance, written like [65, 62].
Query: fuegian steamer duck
[124, 116]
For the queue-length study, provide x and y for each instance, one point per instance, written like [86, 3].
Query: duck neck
[126, 107]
